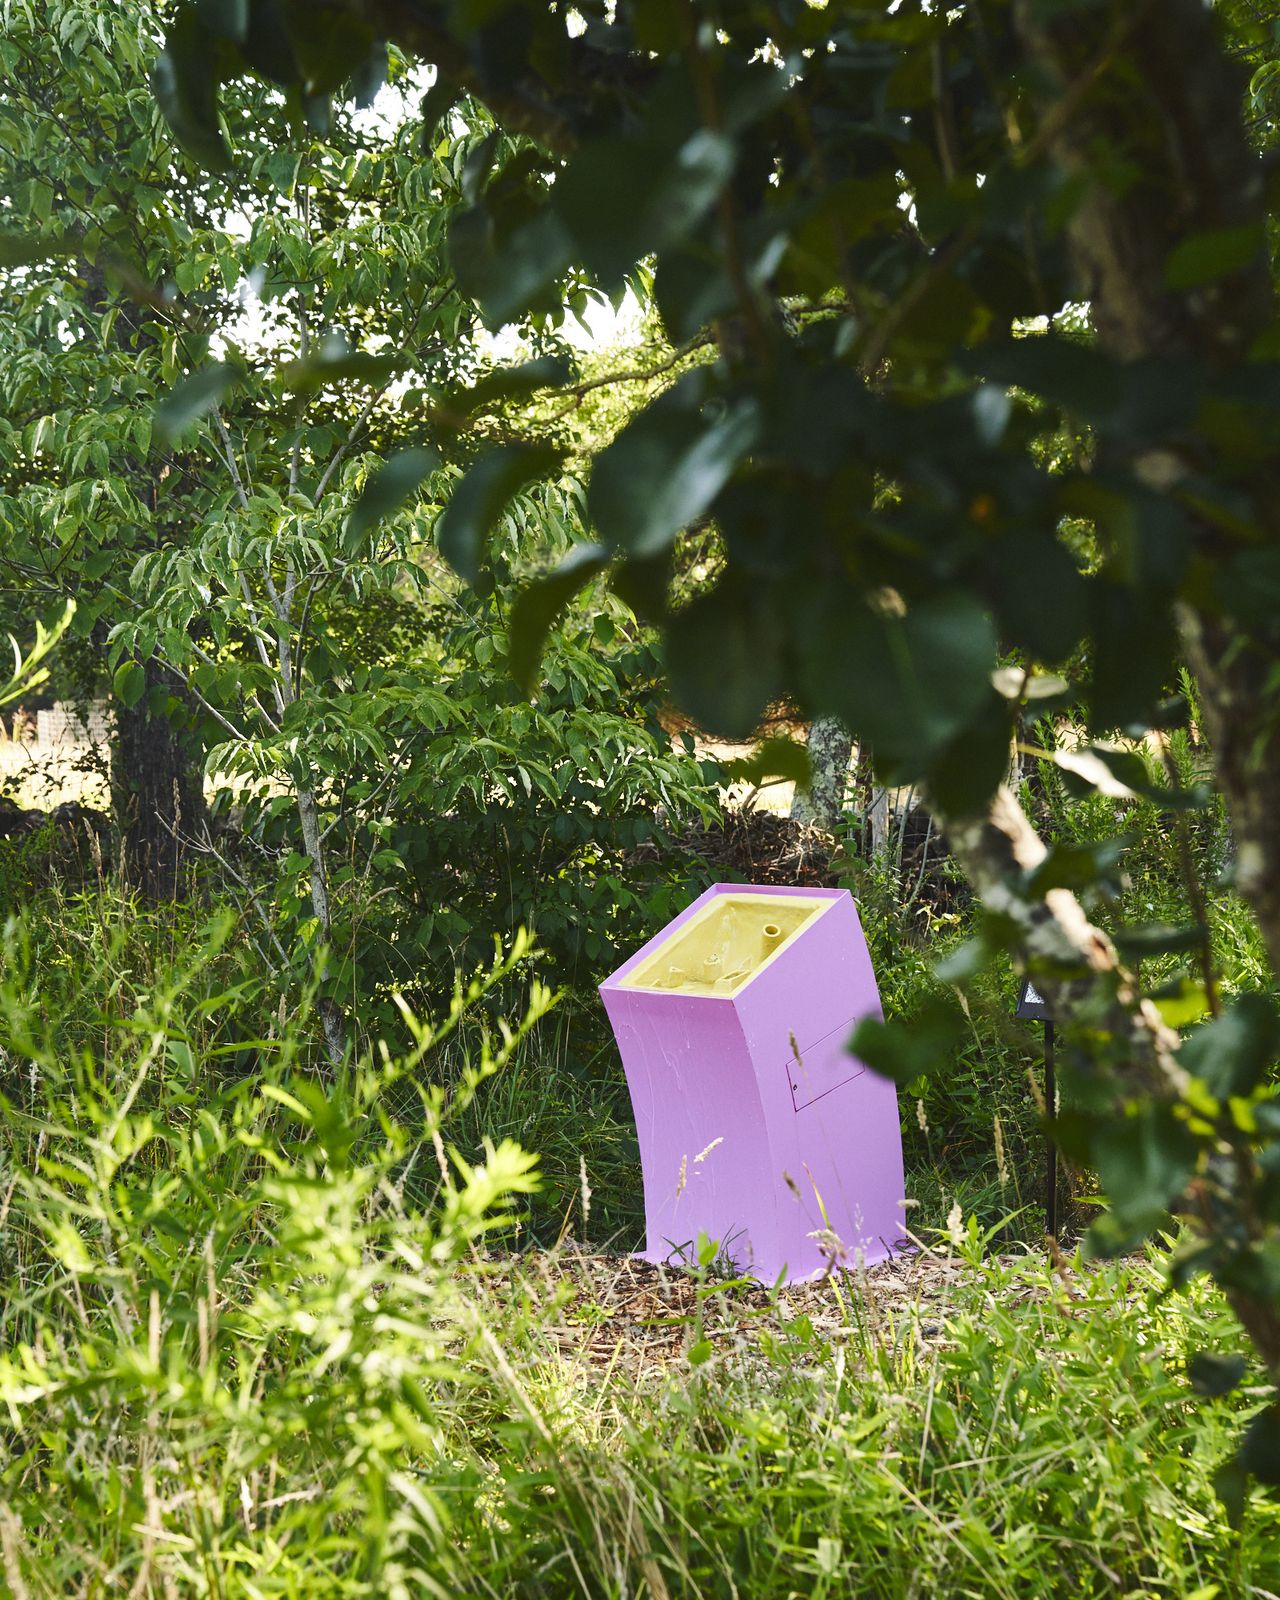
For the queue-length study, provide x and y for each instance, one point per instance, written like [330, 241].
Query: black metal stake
[1031, 1007]
[1051, 1153]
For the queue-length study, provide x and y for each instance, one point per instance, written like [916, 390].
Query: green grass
[1034, 1436]
[248, 1347]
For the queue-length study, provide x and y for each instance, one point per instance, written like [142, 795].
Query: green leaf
[1130, 771]
[665, 469]
[968, 770]
[539, 604]
[773, 759]
[910, 685]
[1181, 1001]
[438, 101]
[226, 19]
[1122, 775]
[1011, 683]
[1079, 866]
[334, 361]
[508, 270]
[129, 683]
[1078, 377]
[1231, 1485]
[1143, 1163]
[509, 383]
[1205, 257]
[1214, 1375]
[267, 46]
[1264, 88]
[964, 964]
[1134, 645]
[723, 655]
[1090, 771]
[328, 45]
[369, 76]
[385, 492]
[193, 398]
[1260, 1451]
[905, 1052]
[1233, 1053]
[693, 285]
[478, 501]
[1158, 938]
[645, 585]
[184, 81]
[623, 198]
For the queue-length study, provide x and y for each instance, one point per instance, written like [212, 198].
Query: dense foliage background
[480, 445]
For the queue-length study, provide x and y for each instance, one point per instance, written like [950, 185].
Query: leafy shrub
[228, 1337]
[465, 809]
[530, 813]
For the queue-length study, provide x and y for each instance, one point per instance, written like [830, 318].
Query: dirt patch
[607, 1311]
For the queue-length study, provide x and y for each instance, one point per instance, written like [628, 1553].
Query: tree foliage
[236, 412]
[881, 215]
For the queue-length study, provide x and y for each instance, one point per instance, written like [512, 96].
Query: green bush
[556, 814]
[229, 1340]
[473, 810]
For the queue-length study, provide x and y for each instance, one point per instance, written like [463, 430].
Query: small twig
[943, 117]
[392, 772]
[206, 846]
[230, 458]
[191, 689]
[924, 862]
[339, 454]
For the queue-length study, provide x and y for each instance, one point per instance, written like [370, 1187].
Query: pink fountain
[757, 1128]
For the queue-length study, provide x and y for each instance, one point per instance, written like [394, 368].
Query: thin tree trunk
[830, 748]
[157, 781]
[878, 819]
[335, 1035]
[157, 794]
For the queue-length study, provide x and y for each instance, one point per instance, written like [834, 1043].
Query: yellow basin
[726, 944]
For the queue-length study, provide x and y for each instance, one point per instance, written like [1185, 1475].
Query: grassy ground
[957, 1425]
[960, 1426]
[256, 1340]
[267, 1330]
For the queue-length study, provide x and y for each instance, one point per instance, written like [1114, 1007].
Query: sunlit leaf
[129, 683]
[479, 498]
[540, 602]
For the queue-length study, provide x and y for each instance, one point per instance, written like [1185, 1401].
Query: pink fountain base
[757, 1129]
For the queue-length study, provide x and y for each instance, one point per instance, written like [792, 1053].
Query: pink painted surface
[756, 1126]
